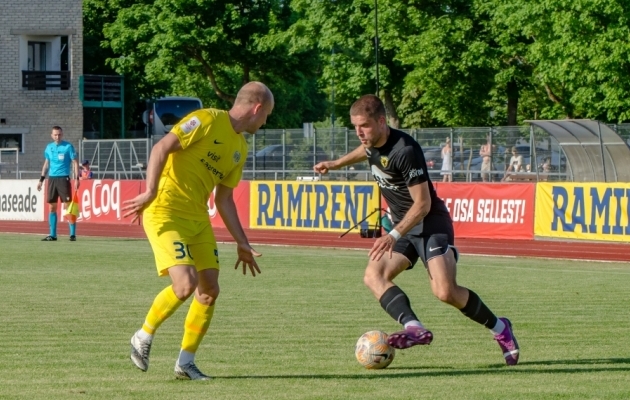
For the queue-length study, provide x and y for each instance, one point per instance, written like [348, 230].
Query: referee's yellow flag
[72, 213]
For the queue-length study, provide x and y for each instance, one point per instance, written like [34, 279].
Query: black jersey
[398, 164]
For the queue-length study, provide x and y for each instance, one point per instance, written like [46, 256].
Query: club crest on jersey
[384, 161]
[190, 125]
[236, 157]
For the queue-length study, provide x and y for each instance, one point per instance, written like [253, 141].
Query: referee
[58, 157]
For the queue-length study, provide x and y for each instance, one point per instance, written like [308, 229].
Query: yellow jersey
[212, 153]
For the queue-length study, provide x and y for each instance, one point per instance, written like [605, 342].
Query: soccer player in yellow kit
[205, 151]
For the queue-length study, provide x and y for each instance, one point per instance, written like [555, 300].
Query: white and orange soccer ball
[373, 351]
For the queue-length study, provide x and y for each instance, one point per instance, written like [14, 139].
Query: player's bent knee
[444, 295]
[184, 289]
[372, 277]
[207, 298]
[209, 292]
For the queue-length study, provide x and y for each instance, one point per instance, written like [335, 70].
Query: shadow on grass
[585, 361]
[430, 371]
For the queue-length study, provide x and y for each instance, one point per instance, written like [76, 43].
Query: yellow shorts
[180, 241]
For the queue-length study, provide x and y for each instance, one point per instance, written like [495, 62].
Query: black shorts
[436, 238]
[59, 187]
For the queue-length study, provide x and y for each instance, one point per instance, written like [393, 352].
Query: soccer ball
[373, 351]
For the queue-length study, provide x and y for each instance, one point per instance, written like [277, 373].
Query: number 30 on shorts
[182, 250]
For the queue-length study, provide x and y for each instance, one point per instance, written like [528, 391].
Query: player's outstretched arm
[159, 154]
[355, 156]
[224, 201]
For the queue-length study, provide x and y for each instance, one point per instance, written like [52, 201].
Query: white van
[168, 111]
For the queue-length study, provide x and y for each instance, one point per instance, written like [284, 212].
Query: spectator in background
[516, 164]
[86, 172]
[485, 151]
[545, 168]
[447, 162]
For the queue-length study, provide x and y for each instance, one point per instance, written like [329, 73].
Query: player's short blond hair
[253, 93]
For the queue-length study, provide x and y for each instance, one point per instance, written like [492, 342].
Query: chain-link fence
[116, 158]
[477, 154]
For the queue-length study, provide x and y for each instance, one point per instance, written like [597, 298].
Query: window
[44, 62]
[11, 140]
[37, 56]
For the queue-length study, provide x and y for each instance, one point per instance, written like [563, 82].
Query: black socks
[476, 310]
[396, 303]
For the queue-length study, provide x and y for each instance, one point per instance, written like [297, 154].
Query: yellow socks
[196, 325]
[164, 305]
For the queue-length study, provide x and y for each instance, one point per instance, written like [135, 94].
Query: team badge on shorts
[384, 161]
[236, 157]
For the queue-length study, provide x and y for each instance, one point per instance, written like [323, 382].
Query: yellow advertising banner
[312, 206]
[595, 211]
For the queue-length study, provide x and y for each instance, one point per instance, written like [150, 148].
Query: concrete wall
[34, 112]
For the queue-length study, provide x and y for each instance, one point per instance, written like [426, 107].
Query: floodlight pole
[601, 146]
[376, 42]
[332, 114]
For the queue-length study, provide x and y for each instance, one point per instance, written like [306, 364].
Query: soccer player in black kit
[423, 229]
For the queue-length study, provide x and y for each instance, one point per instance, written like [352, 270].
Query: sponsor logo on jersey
[384, 161]
[415, 172]
[190, 125]
[382, 178]
[236, 157]
[213, 156]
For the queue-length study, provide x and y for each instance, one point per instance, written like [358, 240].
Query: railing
[117, 158]
[101, 90]
[45, 80]
[285, 154]
[9, 161]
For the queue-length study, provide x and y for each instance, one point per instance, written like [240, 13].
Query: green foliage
[578, 53]
[209, 48]
[289, 333]
[451, 63]
[447, 63]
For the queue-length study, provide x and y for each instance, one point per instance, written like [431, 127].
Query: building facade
[41, 60]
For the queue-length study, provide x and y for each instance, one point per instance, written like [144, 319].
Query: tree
[210, 48]
[452, 62]
[578, 51]
[343, 31]
[96, 53]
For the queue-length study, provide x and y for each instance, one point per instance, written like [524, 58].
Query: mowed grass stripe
[68, 310]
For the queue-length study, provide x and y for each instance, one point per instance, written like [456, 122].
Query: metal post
[332, 114]
[601, 145]
[122, 106]
[314, 148]
[254, 157]
[376, 42]
[284, 153]
[532, 139]
[102, 124]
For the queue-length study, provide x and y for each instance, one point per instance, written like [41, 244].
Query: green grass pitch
[67, 312]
